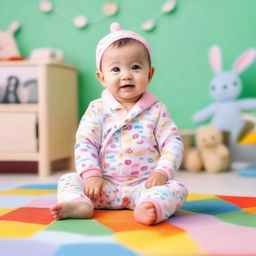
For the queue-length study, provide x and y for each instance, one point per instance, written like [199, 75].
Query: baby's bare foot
[145, 213]
[75, 210]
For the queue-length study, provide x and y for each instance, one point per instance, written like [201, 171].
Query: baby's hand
[93, 187]
[155, 179]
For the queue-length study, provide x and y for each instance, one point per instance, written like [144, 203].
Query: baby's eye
[115, 69]
[135, 67]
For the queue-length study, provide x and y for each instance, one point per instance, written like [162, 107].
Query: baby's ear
[100, 77]
[151, 73]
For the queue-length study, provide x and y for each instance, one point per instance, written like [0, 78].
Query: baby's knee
[69, 176]
[177, 186]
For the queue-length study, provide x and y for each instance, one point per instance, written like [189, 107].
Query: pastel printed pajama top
[126, 147]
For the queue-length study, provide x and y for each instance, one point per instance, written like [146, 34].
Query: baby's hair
[126, 41]
[123, 41]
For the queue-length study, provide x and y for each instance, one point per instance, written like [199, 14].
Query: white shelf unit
[44, 131]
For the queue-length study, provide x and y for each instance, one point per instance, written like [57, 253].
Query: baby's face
[126, 72]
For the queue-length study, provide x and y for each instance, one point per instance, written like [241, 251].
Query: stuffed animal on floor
[209, 154]
[192, 160]
[225, 88]
[8, 47]
[214, 154]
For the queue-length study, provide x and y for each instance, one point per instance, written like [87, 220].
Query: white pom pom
[115, 27]
[110, 9]
[148, 25]
[45, 6]
[80, 21]
[168, 6]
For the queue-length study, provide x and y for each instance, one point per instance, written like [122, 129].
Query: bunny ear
[244, 60]
[14, 26]
[215, 58]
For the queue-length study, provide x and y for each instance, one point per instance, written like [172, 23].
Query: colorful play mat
[206, 225]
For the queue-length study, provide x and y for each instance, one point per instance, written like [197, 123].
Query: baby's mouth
[127, 86]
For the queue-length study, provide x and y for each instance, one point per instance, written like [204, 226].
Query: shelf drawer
[18, 132]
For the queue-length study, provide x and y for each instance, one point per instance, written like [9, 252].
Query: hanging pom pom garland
[148, 25]
[80, 21]
[109, 9]
[45, 6]
[167, 7]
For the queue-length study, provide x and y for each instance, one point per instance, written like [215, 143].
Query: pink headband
[116, 34]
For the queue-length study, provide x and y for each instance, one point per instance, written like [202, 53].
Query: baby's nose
[126, 75]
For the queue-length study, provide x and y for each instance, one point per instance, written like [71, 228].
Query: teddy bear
[192, 160]
[209, 152]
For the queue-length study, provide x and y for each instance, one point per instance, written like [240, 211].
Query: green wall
[180, 43]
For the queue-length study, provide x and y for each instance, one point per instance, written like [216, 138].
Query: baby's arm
[170, 144]
[88, 141]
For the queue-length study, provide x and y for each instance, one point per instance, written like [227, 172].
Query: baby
[127, 146]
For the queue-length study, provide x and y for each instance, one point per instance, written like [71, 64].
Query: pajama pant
[167, 198]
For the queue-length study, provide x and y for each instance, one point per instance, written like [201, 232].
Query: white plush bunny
[225, 87]
[8, 47]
